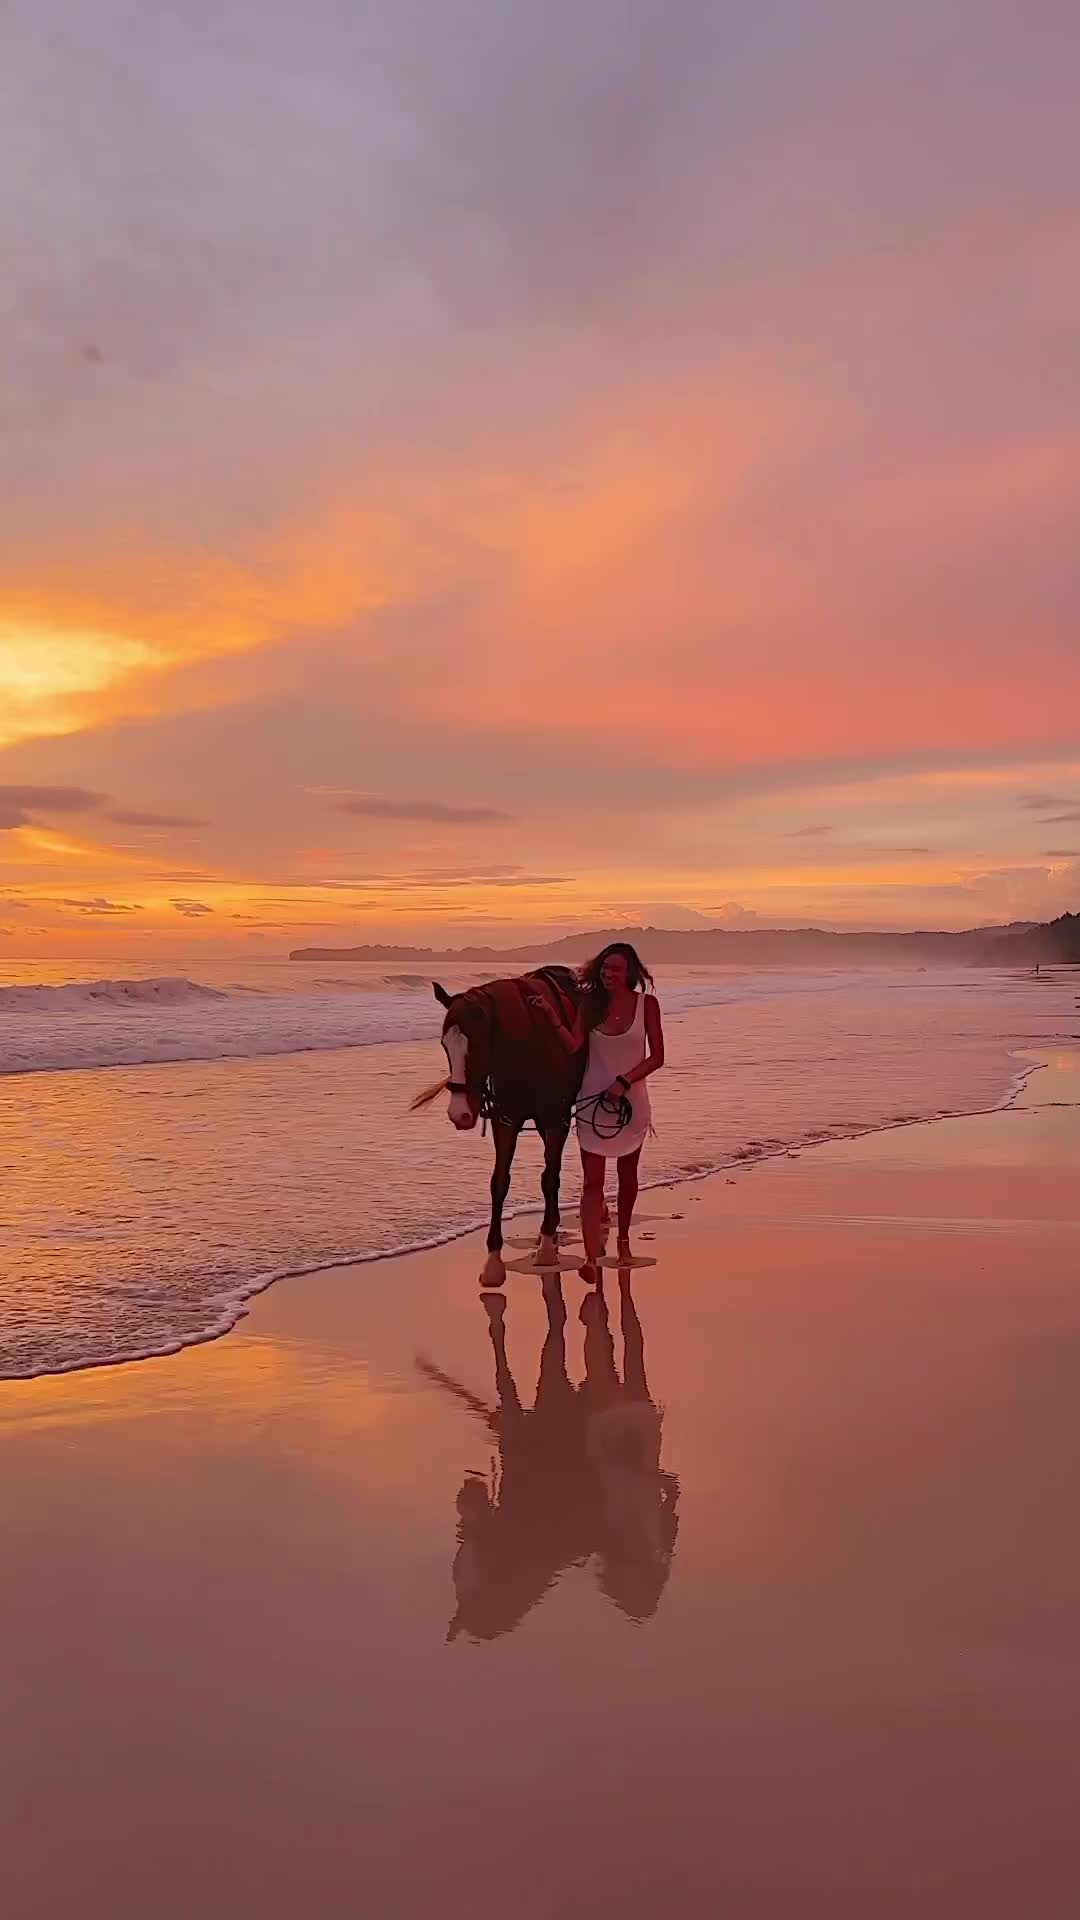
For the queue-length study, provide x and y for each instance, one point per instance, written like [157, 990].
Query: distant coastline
[1023, 944]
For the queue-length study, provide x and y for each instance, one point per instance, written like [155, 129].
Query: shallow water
[143, 1204]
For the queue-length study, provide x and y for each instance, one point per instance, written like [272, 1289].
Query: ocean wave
[114, 1023]
[89, 995]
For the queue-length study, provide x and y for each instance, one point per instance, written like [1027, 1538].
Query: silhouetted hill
[1022, 944]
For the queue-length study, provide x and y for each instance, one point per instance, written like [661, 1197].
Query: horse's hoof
[493, 1273]
[547, 1251]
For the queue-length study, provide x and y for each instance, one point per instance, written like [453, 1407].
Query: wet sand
[757, 1592]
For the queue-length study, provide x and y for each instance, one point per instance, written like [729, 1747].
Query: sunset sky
[475, 467]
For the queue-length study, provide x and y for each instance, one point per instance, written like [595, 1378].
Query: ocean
[175, 1141]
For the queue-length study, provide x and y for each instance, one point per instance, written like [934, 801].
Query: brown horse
[516, 1050]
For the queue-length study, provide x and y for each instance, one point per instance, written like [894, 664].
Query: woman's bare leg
[628, 1193]
[593, 1167]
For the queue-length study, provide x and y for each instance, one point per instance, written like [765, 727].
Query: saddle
[531, 1000]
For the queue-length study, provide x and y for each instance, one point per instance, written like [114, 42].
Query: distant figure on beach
[626, 1043]
[578, 1480]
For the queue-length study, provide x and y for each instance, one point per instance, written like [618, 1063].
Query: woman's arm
[654, 1047]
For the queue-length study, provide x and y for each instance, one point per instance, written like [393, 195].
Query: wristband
[623, 1081]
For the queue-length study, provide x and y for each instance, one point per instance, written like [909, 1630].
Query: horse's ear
[440, 993]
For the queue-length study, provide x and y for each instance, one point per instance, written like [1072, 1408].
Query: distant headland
[1022, 944]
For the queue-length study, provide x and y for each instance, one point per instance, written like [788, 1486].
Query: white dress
[609, 1055]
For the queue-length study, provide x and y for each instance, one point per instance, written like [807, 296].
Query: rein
[608, 1117]
[617, 1114]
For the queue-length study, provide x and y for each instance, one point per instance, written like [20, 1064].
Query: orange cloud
[92, 637]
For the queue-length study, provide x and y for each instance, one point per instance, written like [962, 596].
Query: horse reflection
[578, 1477]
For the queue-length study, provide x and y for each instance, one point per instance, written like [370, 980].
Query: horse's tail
[429, 1094]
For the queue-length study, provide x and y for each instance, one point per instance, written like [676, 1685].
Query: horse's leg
[554, 1142]
[506, 1139]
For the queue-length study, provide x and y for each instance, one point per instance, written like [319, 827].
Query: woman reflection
[622, 1445]
[578, 1476]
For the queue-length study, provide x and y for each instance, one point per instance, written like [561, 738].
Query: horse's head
[466, 1039]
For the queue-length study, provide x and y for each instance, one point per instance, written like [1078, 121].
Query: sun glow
[45, 674]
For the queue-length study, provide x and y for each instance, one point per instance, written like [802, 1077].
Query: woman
[626, 1044]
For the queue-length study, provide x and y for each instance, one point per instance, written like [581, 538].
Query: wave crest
[77, 995]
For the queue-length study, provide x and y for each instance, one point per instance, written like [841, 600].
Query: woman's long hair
[596, 994]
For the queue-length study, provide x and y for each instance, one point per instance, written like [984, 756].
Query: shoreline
[237, 1310]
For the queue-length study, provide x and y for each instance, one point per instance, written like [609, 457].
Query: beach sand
[810, 1647]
